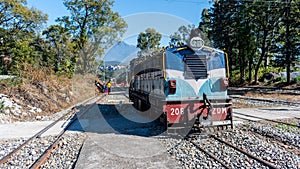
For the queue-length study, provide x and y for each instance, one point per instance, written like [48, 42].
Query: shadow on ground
[118, 119]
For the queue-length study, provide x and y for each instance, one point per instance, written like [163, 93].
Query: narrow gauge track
[266, 90]
[211, 155]
[230, 149]
[264, 161]
[272, 101]
[278, 136]
[269, 120]
[224, 164]
[43, 158]
[46, 154]
[270, 165]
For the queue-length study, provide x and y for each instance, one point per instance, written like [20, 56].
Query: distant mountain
[121, 52]
[108, 63]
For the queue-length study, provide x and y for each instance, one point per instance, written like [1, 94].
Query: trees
[186, 33]
[148, 41]
[253, 33]
[289, 31]
[265, 20]
[18, 25]
[61, 47]
[76, 39]
[94, 27]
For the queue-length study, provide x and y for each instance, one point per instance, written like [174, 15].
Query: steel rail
[271, 136]
[243, 118]
[8, 156]
[270, 165]
[265, 100]
[43, 158]
[274, 121]
[211, 155]
[263, 88]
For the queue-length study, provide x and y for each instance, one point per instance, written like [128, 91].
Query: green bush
[14, 82]
[234, 79]
[296, 80]
[279, 79]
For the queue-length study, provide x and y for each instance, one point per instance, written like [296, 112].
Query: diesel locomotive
[183, 84]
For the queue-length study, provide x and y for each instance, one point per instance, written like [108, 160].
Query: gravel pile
[283, 133]
[263, 148]
[190, 157]
[9, 145]
[64, 157]
[11, 110]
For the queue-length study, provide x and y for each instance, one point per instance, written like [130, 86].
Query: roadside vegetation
[259, 36]
[55, 65]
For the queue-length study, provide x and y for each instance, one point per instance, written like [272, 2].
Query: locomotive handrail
[205, 99]
[227, 64]
[164, 64]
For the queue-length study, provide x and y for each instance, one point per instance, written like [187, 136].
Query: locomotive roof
[180, 48]
[185, 49]
[177, 50]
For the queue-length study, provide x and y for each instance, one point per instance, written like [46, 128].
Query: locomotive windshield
[215, 60]
[195, 64]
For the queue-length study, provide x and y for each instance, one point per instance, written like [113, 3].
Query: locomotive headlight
[224, 84]
[196, 42]
[172, 86]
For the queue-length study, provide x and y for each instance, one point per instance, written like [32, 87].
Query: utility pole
[104, 70]
[288, 42]
[126, 73]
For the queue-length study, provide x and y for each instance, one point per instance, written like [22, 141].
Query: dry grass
[43, 89]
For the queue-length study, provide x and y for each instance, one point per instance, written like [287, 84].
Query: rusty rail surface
[8, 156]
[43, 158]
[270, 165]
[270, 120]
[211, 155]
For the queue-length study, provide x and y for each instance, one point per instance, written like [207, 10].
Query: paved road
[120, 137]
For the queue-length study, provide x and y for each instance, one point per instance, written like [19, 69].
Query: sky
[163, 15]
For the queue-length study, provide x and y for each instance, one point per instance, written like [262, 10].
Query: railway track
[70, 118]
[282, 132]
[266, 119]
[263, 101]
[219, 151]
[223, 163]
[243, 147]
[211, 155]
[266, 163]
[265, 90]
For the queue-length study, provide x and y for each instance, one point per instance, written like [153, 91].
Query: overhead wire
[250, 1]
[188, 1]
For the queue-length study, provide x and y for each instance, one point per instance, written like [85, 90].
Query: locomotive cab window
[215, 60]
